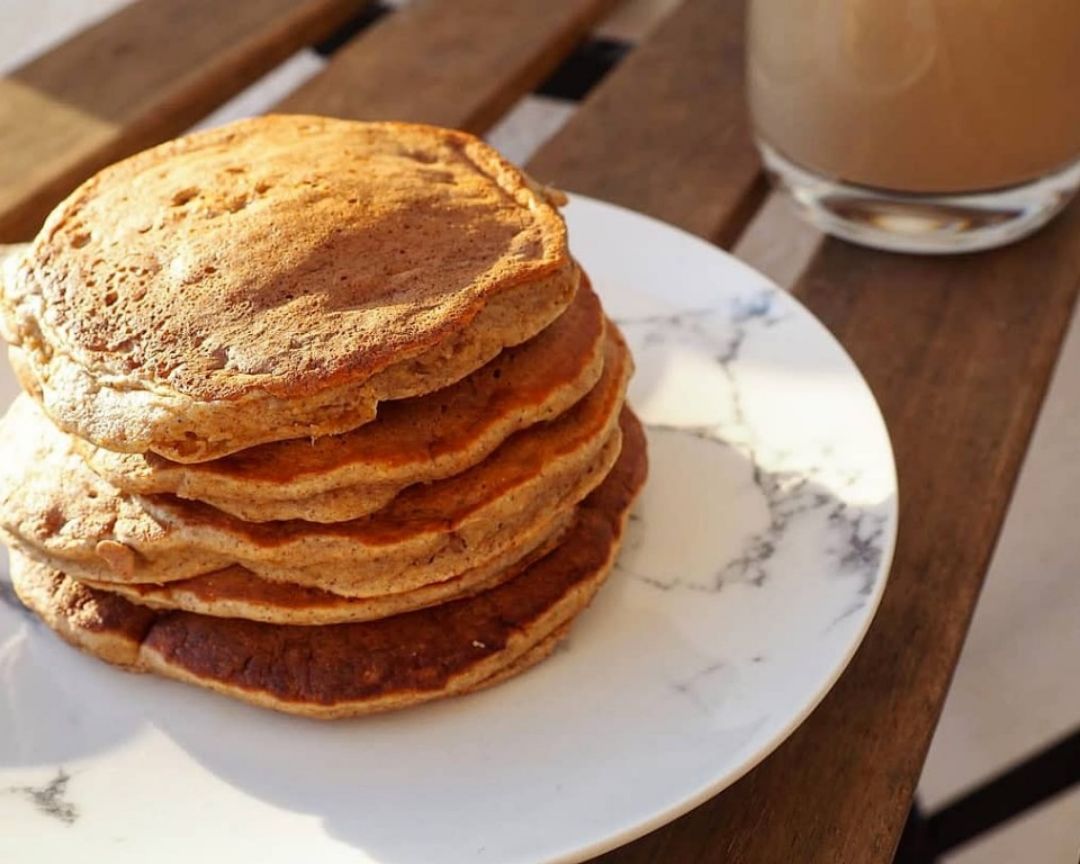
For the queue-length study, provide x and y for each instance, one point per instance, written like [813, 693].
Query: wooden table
[958, 350]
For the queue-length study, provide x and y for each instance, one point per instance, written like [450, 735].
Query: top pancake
[276, 278]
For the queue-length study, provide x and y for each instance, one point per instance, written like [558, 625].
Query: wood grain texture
[458, 63]
[959, 352]
[667, 132]
[140, 76]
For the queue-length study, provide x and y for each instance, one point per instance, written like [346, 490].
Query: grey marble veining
[854, 535]
[51, 799]
[688, 686]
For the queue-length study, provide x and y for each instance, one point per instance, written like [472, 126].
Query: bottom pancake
[340, 670]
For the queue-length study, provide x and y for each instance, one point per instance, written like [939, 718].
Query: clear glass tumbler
[919, 125]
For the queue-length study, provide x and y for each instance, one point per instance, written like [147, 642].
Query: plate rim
[759, 755]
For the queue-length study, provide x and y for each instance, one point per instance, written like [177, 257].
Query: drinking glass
[919, 125]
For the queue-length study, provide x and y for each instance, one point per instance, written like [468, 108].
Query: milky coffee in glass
[921, 125]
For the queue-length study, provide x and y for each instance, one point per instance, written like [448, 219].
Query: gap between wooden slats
[667, 133]
[459, 63]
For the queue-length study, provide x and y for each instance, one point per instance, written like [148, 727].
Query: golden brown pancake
[347, 669]
[418, 440]
[276, 278]
[54, 506]
[236, 592]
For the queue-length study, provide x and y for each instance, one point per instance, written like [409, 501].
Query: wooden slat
[959, 352]
[667, 133]
[458, 63]
[144, 74]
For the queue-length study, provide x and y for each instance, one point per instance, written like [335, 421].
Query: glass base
[925, 223]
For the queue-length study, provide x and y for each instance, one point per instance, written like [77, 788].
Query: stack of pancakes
[318, 414]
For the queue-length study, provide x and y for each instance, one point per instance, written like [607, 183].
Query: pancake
[347, 669]
[276, 278]
[419, 440]
[236, 592]
[54, 506]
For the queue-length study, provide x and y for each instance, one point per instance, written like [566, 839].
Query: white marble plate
[755, 561]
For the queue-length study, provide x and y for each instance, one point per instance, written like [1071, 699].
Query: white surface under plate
[754, 563]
